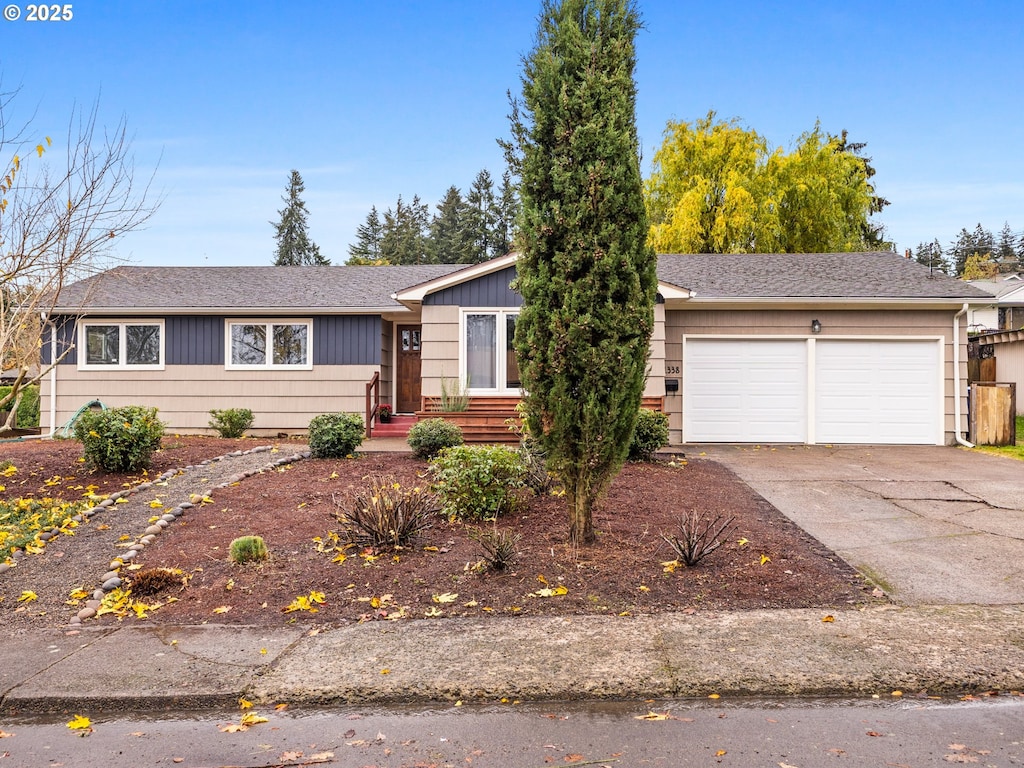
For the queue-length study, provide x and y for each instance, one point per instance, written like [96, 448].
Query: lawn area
[1013, 451]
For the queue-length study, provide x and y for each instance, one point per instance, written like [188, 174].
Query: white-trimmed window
[116, 344]
[268, 344]
[487, 360]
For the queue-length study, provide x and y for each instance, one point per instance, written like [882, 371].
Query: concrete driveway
[929, 525]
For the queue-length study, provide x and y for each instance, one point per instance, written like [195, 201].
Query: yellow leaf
[385, 671]
[642, 588]
[230, 585]
[79, 723]
[339, 558]
[828, 619]
[263, 651]
[251, 718]
[670, 566]
[245, 704]
[561, 589]
[743, 542]
[156, 503]
[222, 609]
[447, 597]
[433, 611]
[714, 696]
[765, 559]
[652, 716]
[471, 604]
[719, 753]
[28, 596]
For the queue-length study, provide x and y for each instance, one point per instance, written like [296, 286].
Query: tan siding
[797, 323]
[1010, 367]
[440, 356]
[282, 401]
[655, 386]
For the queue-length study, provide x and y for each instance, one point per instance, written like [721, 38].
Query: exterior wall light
[815, 326]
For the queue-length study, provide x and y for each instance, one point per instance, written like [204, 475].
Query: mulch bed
[765, 562]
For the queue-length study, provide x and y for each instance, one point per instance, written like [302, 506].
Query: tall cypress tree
[585, 271]
[294, 248]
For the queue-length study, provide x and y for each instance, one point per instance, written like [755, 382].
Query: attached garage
[812, 390]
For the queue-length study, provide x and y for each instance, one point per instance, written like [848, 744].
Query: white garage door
[756, 390]
[876, 391]
[738, 390]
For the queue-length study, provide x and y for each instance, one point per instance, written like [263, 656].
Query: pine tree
[367, 248]
[404, 238]
[507, 212]
[930, 254]
[294, 248]
[585, 271]
[483, 216]
[451, 231]
[1006, 250]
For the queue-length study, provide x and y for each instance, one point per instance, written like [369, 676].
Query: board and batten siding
[281, 401]
[852, 324]
[1010, 367]
[485, 291]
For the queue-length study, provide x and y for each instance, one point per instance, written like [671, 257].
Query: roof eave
[814, 302]
[229, 311]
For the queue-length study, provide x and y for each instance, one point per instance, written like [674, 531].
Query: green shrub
[650, 434]
[335, 435]
[248, 549]
[119, 439]
[231, 422]
[28, 409]
[428, 437]
[387, 515]
[478, 482]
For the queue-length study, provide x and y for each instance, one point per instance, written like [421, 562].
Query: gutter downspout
[956, 378]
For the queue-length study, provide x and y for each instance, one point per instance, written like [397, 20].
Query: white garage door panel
[745, 391]
[876, 391]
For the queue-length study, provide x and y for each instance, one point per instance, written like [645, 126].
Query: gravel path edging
[111, 579]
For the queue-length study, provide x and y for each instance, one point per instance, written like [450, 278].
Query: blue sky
[370, 100]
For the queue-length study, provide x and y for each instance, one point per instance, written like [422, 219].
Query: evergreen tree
[452, 232]
[507, 211]
[1006, 250]
[404, 233]
[367, 248]
[967, 244]
[873, 232]
[294, 248]
[930, 254]
[483, 216]
[585, 271]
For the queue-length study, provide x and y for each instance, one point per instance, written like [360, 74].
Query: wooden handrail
[372, 386]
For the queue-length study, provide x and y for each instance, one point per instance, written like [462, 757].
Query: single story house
[781, 348]
[1005, 310]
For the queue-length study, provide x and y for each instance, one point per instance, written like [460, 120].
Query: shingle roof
[809, 275]
[878, 275]
[241, 287]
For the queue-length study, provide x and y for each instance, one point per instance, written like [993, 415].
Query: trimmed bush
[335, 435]
[248, 549]
[120, 439]
[430, 436]
[478, 482]
[231, 422]
[650, 434]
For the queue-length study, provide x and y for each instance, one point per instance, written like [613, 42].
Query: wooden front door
[407, 376]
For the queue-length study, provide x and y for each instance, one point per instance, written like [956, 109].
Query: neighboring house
[1005, 311]
[784, 348]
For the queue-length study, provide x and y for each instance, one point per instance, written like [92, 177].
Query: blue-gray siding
[199, 340]
[487, 291]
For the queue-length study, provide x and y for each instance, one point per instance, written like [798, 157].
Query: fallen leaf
[28, 596]
[5, 735]
[828, 619]
[573, 758]
[222, 609]
[447, 597]
[652, 716]
[80, 723]
[245, 704]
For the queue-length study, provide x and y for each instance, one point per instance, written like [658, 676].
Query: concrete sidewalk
[940, 528]
[938, 650]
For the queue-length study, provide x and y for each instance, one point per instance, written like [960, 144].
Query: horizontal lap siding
[282, 401]
[753, 323]
[440, 349]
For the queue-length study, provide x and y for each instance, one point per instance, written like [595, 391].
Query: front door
[407, 384]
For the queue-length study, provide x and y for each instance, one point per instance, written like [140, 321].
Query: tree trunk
[581, 519]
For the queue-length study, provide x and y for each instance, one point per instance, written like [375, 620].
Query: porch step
[398, 427]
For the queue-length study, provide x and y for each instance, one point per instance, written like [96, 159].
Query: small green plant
[477, 482]
[500, 545]
[335, 435]
[28, 408]
[248, 549]
[119, 439]
[231, 422]
[387, 515]
[650, 434]
[698, 537]
[428, 437]
[454, 396]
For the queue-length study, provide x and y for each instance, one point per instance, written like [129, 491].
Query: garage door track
[929, 525]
